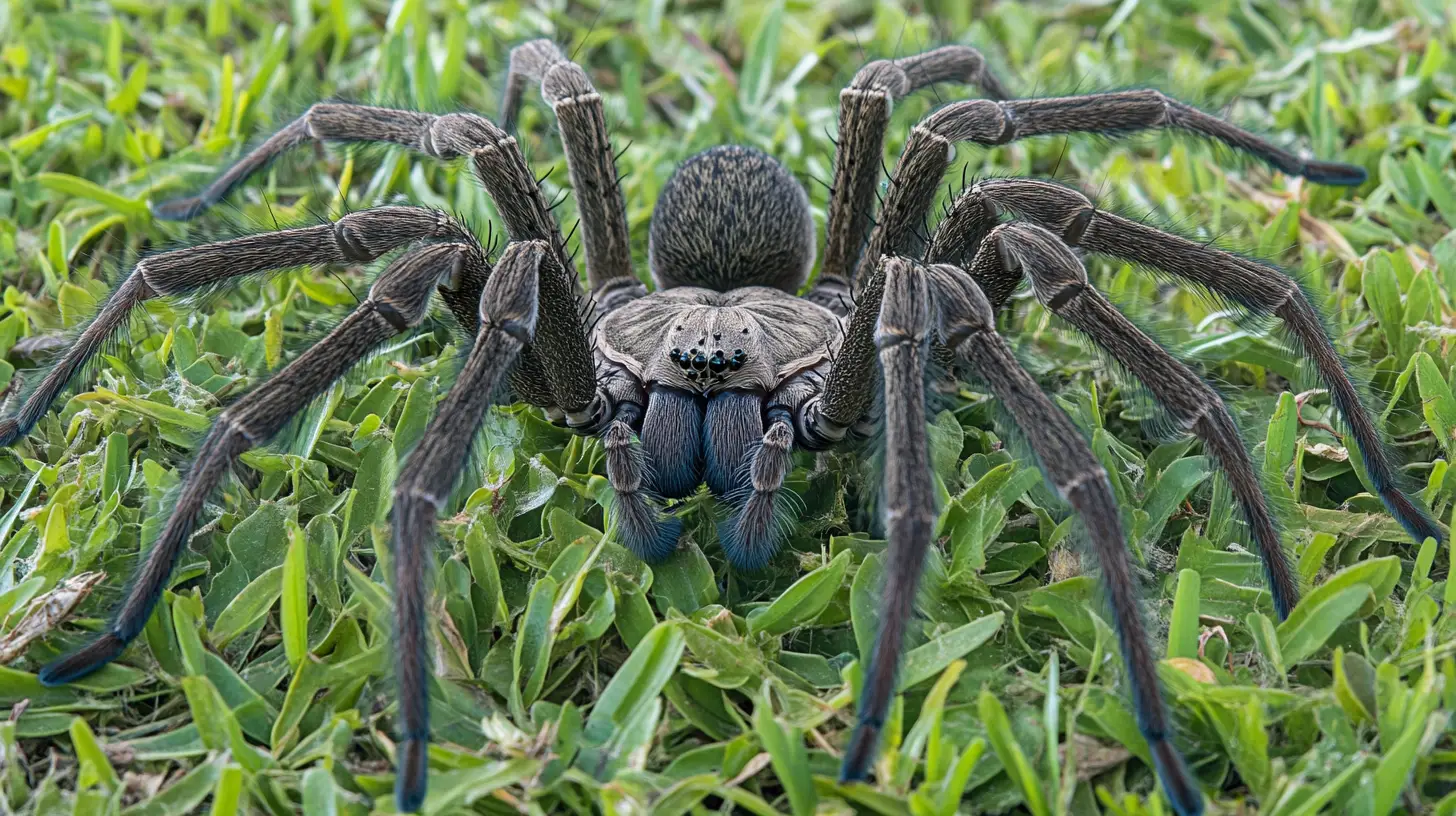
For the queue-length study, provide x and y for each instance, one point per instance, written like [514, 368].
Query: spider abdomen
[731, 217]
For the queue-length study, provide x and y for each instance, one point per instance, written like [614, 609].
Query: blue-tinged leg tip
[411, 781]
[1411, 516]
[860, 754]
[746, 550]
[1282, 605]
[753, 534]
[1179, 785]
[1335, 173]
[85, 660]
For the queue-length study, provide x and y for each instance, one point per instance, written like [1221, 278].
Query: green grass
[700, 690]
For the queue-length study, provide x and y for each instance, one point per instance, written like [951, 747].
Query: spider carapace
[731, 364]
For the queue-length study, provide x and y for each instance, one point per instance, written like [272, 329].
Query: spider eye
[700, 361]
[718, 364]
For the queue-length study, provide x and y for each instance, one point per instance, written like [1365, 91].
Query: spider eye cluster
[699, 364]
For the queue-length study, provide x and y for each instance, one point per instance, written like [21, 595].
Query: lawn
[263, 682]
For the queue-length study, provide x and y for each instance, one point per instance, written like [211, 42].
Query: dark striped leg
[1260, 288]
[864, 115]
[356, 238]
[929, 151]
[494, 152]
[1060, 281]
[397, 302]
[902, 338]
[503, 171]
[590, 160]
[967, 326]
[508, 309]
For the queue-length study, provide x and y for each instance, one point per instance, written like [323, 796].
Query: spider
[731, 364]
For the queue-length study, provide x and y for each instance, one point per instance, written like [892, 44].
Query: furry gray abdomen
[731, 217]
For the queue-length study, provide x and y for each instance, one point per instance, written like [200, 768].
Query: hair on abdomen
[730, 217]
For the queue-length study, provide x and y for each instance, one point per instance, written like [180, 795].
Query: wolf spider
[725, 369]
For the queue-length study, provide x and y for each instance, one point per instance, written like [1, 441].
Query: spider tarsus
[1303, 324]
[860, 753]
[1179, 785]
[1411, 516]
[105, 648]
[648, 535]
[751, 536]
[412, 759]
[1334, 173]
[180, 209]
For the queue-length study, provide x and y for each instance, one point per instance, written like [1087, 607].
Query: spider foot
[180, 209]
[412, 760]
[1337, 173]
[85, 660]
[1178, 784]
[861, 753]
[1410, 515]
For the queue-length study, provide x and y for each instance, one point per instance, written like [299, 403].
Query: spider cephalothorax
[730, 365]
[706, 371]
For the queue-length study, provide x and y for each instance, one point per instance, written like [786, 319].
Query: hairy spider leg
[557, 371]
[356, 238]
[902, 338]
[397, 301]
[590, 160]
[508, 310]
[1257, 287]
[864, 117]
[967, 325]
[1060, 281]
[929, 150]
[846, 400]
